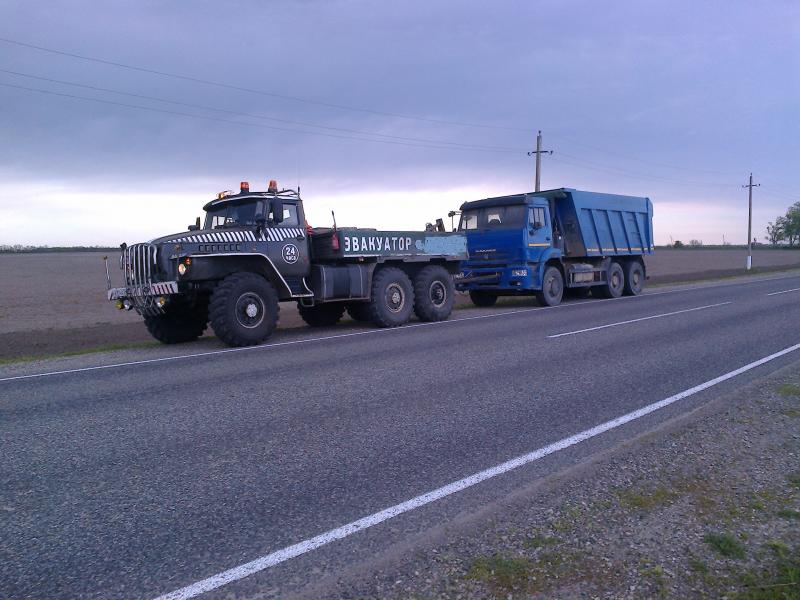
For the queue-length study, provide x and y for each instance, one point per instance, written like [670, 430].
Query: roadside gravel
[708, 505]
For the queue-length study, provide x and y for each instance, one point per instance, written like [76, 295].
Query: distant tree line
[785, 228]
[20, 248]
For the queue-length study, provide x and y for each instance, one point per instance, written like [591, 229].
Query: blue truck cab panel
[512, 240]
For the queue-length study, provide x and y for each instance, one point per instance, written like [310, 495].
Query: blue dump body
[512, 239]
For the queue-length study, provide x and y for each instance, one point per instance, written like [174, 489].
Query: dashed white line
[658, 316]
[269, 560]
[784, 292]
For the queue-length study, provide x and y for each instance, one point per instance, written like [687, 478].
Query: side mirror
[277, 210]
[196, 225]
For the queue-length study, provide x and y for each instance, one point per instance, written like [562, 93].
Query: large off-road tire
[483, 299]
[359, 311]
[434, 294]
[552, 287]
[634, 278]
[180, 323]
[243, 309]
[322, 315]
[614, 285]
[392, 298]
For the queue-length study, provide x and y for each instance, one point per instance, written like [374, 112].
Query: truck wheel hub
[395, 298]
[438, 293]
[249, 310]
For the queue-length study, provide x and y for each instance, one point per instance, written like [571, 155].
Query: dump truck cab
[507, 238]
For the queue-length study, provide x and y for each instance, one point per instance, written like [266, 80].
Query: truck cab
[507, 239]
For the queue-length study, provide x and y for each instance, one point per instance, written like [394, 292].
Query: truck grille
[139, 264]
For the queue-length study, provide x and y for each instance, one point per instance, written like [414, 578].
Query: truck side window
[289, 215]
[537, 216]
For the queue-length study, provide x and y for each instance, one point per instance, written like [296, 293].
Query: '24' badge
[290, 253]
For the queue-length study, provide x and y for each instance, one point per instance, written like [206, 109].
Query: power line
[258, 116]
[220, 120]
[639, 159]
[594, 166]
[256, 91]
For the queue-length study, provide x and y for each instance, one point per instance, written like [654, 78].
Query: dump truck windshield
[234, 214]
[493, 217]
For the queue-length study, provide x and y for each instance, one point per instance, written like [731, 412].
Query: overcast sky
[392, 113]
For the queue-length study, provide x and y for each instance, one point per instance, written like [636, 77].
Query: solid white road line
[374, 331]
[270, 560]
[784, 292]
[677, 312]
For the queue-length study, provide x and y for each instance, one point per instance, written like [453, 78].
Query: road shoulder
[707, 505]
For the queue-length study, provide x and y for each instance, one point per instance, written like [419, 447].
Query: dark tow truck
[255, 250]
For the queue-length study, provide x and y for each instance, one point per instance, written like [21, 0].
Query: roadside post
[750, 187]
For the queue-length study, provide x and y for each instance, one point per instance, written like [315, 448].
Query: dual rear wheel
[393, 299]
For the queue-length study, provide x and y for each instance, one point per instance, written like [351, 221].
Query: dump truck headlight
[182, 269]
[119, 304]
[127, 304]
[161, 301]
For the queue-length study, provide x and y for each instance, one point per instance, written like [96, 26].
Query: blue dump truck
[547, 242]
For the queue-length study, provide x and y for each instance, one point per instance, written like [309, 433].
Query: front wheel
[244, 309]
[434, 294]
[392, 298]
[634, 278]
[483, 299]
[552, 287]
[180, 323]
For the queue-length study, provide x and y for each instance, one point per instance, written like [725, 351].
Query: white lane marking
[289, 343]
[784, 292]
[658, 316]
[375, 331]
[270, 560]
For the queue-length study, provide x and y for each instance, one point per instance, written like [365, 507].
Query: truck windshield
[493, 217]
[234, 214]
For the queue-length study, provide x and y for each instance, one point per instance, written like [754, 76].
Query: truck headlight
[519, 272]
[182, 269]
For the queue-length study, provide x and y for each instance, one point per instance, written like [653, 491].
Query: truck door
[287, 245]
[540, 234]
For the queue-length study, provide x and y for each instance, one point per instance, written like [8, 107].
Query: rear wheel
[322, 315]
[244, 309]
[614, 285]
[634, 278]
[552, 287]
[180, 323]
[359, 311]
[392, 298]
[434, 294]
[483, 299]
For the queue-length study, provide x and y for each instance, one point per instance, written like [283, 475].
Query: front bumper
[511, 277]
[164, 288]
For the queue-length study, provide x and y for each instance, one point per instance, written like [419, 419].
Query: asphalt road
[135, 480]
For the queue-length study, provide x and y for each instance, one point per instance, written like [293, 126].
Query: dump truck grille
[139, 264]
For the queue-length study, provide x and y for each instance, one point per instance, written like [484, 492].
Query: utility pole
[538, 152]
[750, 187]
